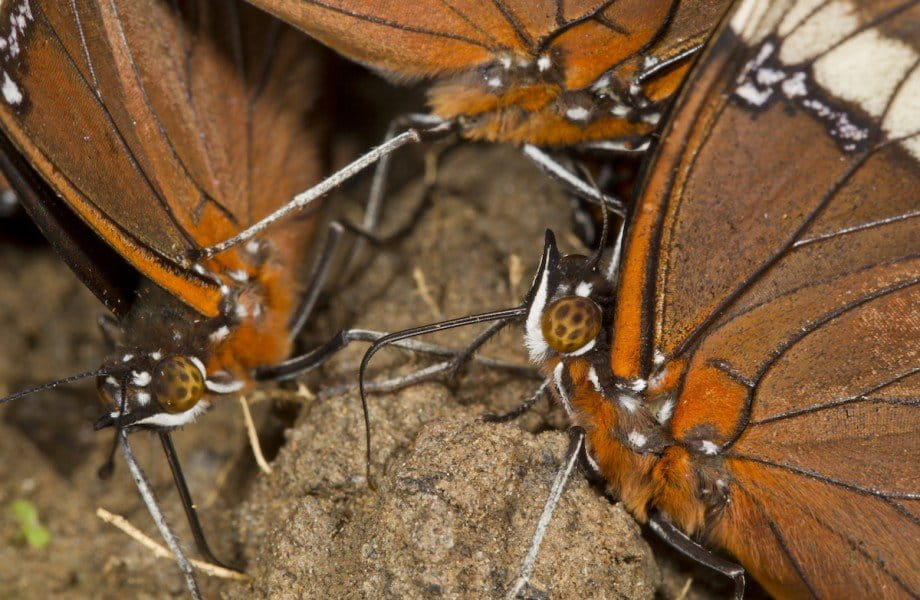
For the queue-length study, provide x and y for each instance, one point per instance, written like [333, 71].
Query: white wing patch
[866, 69]
[903, 118]
[820, 32]
[869, 69]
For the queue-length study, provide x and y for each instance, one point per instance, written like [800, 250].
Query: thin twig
[253, 436]
[425, 292]
[684, 590]
[515, 274]
[161, 552]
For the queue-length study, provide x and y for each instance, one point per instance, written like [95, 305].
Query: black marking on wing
[167, 141]
[611, 24]
[783, 250]
[399, 26]
[515, 24]
[800, 335]
[728, 369]
[86, 55]
[470, 22]
[566, 25]
[263, 72]
[856, 228]
[885, 496]
[780, 540]
[560, 18]
[155, 192]
[863, 396]
[856, 547]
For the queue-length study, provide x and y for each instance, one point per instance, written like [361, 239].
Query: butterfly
[547, 73]
[594, 75]
[747, 376]
[139, 134]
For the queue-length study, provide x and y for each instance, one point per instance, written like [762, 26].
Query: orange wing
[545, 71]
[771, 285]
[160, 159]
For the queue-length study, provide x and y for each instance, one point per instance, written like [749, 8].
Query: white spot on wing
[584, 289]
[796, 13]
[746, 21]
[544, 63]
[11, 92]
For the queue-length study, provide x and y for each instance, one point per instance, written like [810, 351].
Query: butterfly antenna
[53, 384]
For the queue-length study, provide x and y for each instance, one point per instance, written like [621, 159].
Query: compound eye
[571, 322]
[178, 384]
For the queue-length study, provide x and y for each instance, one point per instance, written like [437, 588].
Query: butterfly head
[154, 391]
[569, 304]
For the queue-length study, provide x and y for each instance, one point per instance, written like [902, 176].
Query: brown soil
[456, 500]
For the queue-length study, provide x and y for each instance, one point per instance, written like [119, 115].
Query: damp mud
[455, 500]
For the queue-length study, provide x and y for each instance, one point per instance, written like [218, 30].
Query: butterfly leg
[574, 184]
[307, 198]
[110, 329]
[153, 507]
[334, 236]
[300, 365]
[678, 540]
[435, 128]
[520, 409]
[462, 359]
[188, 505]
[576, 446]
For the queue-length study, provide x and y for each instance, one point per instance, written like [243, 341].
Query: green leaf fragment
[35, 534]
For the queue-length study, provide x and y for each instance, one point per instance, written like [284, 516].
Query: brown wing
[775, 260]
[147, 120]
[549, 72]
[429, 38]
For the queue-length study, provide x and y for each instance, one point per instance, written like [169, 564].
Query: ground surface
[456, 499]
